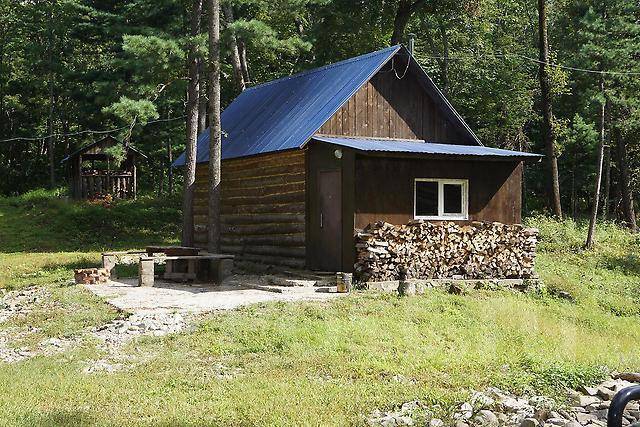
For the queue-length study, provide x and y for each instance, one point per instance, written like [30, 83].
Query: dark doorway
[330, 236]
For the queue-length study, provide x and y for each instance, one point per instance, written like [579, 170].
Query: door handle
[321, 222]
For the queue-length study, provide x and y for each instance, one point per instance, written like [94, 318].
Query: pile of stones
[10, 353]
[21, 302]
[586, 407]
[144, 323]
[117, 333]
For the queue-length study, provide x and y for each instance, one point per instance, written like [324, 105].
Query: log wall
[263, 208]
[389, 107]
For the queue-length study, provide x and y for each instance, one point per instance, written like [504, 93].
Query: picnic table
[204, 267]
[181, 264]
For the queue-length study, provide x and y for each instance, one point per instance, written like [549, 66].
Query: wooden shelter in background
[94, 173]
[309, 158]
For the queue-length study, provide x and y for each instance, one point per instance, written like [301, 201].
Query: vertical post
[135, 182]
[412, 43]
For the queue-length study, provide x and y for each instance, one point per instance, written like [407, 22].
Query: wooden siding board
[494, 188]
[391, 108]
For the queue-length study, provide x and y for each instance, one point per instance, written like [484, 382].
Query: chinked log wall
[263, 208]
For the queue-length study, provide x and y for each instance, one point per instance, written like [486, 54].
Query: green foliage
[114, 61]
[129, 110]
[117, 153]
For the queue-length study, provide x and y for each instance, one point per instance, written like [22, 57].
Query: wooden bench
[203, 267]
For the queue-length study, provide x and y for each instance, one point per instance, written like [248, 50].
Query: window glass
[452, 198]
[426, 198]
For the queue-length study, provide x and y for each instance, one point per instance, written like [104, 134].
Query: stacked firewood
[424, 250]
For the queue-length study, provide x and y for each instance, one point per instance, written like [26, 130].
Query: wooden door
[330, 236]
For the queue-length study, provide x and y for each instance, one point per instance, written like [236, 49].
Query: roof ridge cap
[324, 67]
[372, 138]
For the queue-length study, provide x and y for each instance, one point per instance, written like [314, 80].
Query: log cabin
[307, 159]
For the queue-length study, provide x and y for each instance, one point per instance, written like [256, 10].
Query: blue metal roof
[421, 147]
[285, 113]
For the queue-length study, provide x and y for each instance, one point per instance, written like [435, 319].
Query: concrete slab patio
[237, 291]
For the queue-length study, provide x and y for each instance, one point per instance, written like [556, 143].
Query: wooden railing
[121, 186]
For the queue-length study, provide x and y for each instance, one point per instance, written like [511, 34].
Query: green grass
[319, 363]
[43, 235]
[607, 277]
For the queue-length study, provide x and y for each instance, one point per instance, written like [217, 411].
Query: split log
[447, 250]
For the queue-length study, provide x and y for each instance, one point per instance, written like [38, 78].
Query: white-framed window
[441, 199]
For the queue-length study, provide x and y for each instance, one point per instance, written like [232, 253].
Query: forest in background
[81, 69]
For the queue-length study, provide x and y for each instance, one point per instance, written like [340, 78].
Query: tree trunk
[574, 196]
[2, 121]
[169, 166]
[242, 47]
[202, 108]
[401, 20]
[215, 143]
[50, 139]
[607, 182]
[547, 113]
[193, 102]
[625, 187]
[596, 192]
[444, 67]
[236, 64]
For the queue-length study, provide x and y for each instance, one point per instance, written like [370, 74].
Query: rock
[564, 295]
[404, 421]
[556, 421]
[605, 393]
[481, 400]
[541, 402]
[466, 410]
[572, 424]
[486, 418]
[633, 406]
[634, 414]
[590, 391]
[587, 400]
[529, 422]
[436, 422]
[633, 377]
[585, 418]
[460, 423]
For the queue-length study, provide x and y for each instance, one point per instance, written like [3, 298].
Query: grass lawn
[309, 363]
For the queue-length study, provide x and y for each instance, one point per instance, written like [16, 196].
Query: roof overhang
[420, 148]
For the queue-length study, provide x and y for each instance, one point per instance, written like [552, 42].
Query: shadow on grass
[65, 418]
[628, 263]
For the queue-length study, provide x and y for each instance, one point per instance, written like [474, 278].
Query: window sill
[443, 218]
